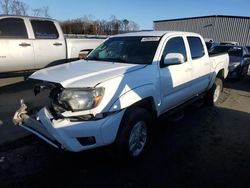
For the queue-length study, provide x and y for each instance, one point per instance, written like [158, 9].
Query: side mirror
[84, 53]
[173, 59]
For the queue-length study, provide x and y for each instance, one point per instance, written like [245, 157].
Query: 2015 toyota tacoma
[114, 95]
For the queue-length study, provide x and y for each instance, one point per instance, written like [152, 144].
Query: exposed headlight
[81, 99]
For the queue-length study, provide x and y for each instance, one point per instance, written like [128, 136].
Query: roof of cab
[151, 33]
[25, 17]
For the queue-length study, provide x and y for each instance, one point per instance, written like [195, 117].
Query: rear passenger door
[201, 65]
[175, 79]
[49, 46]
[16, 49]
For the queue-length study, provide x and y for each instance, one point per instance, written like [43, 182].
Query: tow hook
[20, 113]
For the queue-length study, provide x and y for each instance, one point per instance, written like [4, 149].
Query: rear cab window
[44, 29]
[196, 47]
[13, 28]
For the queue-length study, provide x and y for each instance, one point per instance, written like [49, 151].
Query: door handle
[188, 69]
[23, 44]
[57, 44]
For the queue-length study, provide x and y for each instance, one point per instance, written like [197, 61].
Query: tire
[213, 96]
[134, 133]
[244, 71]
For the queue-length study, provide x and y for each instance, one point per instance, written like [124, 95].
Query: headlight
[81, 99]
[233, 65]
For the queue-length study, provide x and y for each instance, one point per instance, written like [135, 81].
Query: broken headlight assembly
[81, 99]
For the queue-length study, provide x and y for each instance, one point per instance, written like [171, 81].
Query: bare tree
[16, 7]
[125, 23]
[41, 12]
[87, 25]
[46, 11]
[19, 8]
[37, 12]
[132, 26]
[5, 6]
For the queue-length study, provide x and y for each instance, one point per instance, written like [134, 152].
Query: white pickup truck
[30, 43]
[115, 94]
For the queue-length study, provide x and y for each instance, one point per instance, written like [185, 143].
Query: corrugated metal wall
[219, 28]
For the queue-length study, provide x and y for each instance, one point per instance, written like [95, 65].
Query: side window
[196, 47]
[175, 45]
[13, 28]
[44, 29]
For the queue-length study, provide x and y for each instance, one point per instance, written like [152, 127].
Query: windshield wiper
[117, 60]
[93, 58]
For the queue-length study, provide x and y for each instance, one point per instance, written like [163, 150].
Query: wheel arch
[142, 96]
[220, 74]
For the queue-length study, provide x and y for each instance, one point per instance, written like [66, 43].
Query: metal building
[217, 27]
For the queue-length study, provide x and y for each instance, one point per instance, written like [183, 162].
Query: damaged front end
[30, 117]
[33, 125]
[66, 121]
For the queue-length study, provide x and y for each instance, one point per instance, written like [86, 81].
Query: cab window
[44, 29]
[175, 45]
[196, 47]
[13, 28]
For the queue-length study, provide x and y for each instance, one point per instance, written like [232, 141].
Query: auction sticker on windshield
[150, 39]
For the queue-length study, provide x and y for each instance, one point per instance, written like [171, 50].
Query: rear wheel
[214, 94]
[134, 132]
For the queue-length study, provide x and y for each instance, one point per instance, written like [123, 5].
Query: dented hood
[84, 73]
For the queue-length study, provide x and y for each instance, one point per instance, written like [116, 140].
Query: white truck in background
[31, 43]
[121, 88]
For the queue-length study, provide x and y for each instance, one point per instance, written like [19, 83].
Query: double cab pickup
[114, 96]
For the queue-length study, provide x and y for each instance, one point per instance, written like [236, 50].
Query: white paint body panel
[41, 52]
[14, 57]
[74, 46]
[126, 84]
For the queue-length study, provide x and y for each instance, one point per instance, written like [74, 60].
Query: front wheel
[133, 135]
[213, 95]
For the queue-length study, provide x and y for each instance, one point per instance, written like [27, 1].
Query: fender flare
[218, 71]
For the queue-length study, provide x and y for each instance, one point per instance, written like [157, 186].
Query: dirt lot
[209, 147]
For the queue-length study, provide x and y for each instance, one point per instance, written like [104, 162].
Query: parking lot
[209, 147]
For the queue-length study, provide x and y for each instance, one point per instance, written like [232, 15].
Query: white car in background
[31, 43]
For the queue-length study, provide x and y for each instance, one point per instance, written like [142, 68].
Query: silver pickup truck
[30, 43]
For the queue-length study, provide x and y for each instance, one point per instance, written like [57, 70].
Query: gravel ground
[208, 147]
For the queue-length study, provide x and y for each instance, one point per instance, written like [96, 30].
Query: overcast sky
[143, 12]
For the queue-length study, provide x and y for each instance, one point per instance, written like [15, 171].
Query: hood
[84, 73]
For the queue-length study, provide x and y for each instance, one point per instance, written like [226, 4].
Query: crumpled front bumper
[72, 136]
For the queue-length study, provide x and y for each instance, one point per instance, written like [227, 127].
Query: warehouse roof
[218, 16]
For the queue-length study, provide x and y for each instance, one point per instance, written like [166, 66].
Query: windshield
[232, 51]
[133, 50]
